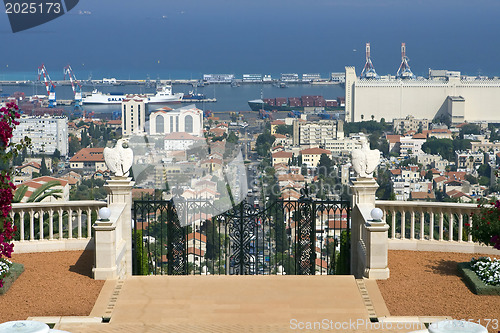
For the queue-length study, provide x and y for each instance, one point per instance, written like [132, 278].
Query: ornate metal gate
[179, 237]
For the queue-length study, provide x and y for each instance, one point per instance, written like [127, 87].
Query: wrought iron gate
[179, 237]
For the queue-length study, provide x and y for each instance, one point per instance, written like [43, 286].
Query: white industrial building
[449, 95]
[47, 133]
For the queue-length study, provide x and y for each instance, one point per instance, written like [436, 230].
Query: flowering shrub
[485, 226]
[8, 150]
[487, 270]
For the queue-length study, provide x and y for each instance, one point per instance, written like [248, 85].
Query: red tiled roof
[278, 122]
[280, 166]
[292, 177]
[163, 109]
[315, 151]
[32, 164]
[279, 136]
[440, 179]
[45, 179]
[458, 175]
[88, 155]
[393, 138]
[197, 237]
[217, 131]
[441, 130]
[453, 182]
[282, 154]
[420, 136]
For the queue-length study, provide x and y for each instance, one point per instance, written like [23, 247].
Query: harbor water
[228, 98]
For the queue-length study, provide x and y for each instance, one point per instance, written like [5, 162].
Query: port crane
[49, 85]
[368, 71]
[75, 85]
[404, 71]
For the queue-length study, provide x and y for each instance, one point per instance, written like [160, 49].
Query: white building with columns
[165, 121]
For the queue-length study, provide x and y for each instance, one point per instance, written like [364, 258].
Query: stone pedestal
[369, 239]
[376, 251]
[113, 238]
[105, 250]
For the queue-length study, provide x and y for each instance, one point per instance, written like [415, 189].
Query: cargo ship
[163, 95]
[297, 104]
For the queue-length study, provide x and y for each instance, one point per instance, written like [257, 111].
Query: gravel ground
[428, 284]
[52, 284]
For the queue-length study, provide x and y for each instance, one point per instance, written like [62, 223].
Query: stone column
[370, 252]
[110, 234]
[120, 191]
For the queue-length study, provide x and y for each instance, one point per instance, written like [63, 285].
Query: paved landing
[232, 304]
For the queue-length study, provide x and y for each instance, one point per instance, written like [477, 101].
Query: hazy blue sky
[190, 37]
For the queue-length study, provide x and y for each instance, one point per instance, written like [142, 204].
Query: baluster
[70, 223]
[61, 231]
[431, 225]
[412, 224]
[89, 222]
[460, 226]
[422, 221]
[441, 225]
[51, 224]
[470, 236]
[21, 224]
[403, 226]
[450, 227]
[79, 219]
[32, 225]
[40, 222]
[393, 231]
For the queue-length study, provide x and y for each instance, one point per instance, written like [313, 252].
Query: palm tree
[40, 193]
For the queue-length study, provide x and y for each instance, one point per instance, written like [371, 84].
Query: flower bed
[482, 275]
[487, 270]
[14, 270]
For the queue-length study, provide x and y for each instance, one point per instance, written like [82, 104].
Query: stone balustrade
[54, 226]
[430, 226]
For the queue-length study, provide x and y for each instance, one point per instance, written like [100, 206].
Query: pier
[206, 100]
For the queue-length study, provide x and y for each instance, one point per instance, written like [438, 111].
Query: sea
[228, 98]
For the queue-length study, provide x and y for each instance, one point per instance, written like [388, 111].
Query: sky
[186, 38]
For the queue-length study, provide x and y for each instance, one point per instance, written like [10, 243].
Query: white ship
[163, 95]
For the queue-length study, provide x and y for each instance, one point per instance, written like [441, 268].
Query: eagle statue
[364, 160]
[119, 159]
